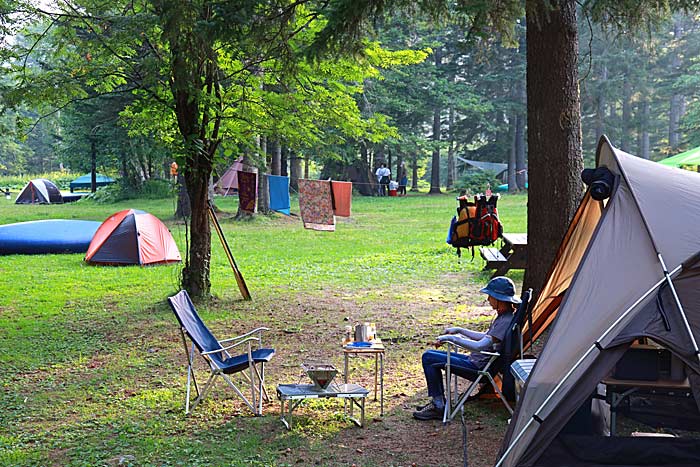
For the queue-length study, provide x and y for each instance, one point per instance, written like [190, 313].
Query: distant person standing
[173, 171]
[403, 179]
[383, 176]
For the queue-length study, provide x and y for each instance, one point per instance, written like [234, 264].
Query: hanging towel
[315, 204]
[247, 191]
[279, 193]
[342, 198]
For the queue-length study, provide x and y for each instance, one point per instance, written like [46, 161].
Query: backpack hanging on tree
[476, 223]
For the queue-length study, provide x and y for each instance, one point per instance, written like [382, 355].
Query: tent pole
[680, 307]
[580, 360]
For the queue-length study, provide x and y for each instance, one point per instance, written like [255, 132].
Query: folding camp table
[377, 349]
[294, 394]
[618, 390]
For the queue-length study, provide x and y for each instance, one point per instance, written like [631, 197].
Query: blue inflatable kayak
[48, 236]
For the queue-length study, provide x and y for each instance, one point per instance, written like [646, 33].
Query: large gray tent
[628, 267]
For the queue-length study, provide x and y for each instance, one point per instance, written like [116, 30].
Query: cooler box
[392, 192]
[520, 369]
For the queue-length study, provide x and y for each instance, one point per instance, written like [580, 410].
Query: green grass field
[93, 366]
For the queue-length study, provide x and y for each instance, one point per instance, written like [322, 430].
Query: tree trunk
[263, 191]
[184, 208]
[195, 275]
[451, 166]
[674, 114]
[626, 140]
[435, 163]
[399, 165]
[276, 158]
[306, 167]
[388, 165]
[93, 165]
[601, 104]
[520, 143]
[644, 146]
[294, 170]
[674, 118]
[284, 158]
[554, 131]
[198, 105]
[512, 183]
[362, 174]
[414, 173]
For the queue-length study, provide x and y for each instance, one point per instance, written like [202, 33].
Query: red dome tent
[132, 237]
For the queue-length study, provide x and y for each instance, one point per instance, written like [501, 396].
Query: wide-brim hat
[501, 288]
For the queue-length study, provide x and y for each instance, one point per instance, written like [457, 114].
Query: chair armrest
[483, 352]
[224, 349]
[256, 330]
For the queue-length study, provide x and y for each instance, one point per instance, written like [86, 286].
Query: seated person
[502, 298]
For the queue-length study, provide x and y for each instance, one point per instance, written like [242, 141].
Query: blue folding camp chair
[250, 355]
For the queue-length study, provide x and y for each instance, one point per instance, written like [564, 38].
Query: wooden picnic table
[512, 255]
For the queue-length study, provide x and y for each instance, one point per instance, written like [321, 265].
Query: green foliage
[477, 181]
[121, 191]
[61, 179]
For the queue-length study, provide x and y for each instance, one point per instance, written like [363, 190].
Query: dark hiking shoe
[429, 412]
[422, 406]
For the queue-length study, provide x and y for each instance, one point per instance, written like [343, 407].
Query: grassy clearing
[93, 366]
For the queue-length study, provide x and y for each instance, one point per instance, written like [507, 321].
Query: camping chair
[498, 363]
[250, 355]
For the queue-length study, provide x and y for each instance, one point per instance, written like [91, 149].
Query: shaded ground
[310, 328]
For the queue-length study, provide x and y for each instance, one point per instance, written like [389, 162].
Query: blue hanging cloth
[279, 193]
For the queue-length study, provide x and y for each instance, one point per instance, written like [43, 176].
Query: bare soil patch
[407, 319]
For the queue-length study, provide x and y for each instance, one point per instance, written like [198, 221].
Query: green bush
[476, 181]
[120, 191]
[16, 183]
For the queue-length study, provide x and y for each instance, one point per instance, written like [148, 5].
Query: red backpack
[476, 223]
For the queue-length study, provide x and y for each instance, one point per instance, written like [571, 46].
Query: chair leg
[205, 391]
[240, 394]
[262, 394]
[251, 368]
[261, 381]
[257, 385]
[450, 412]
[500, 394]
[190, 373]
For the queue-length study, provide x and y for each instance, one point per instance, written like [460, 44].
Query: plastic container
[392, 193]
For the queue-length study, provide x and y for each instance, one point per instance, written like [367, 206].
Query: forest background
[465, 99]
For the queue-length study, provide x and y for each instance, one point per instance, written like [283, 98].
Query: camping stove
[320, 373]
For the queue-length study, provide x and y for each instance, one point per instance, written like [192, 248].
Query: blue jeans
[434, 361]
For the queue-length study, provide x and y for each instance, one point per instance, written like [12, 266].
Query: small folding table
[294, 394]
